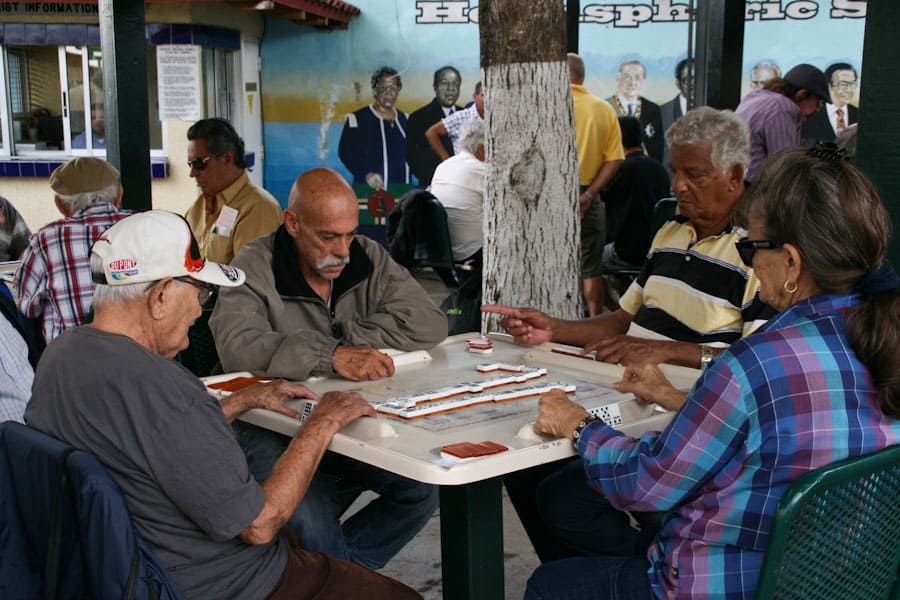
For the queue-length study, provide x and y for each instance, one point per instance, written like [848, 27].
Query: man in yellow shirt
[231, 210]
[600, 154]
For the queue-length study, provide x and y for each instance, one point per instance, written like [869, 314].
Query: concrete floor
[418, 565]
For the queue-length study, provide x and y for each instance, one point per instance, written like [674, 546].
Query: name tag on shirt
[225, 223]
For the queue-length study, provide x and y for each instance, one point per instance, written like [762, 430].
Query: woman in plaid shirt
[818, 383]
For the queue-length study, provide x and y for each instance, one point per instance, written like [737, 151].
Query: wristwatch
[707, 353]
[582, 424]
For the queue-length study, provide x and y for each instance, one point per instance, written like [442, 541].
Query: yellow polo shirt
[597, 133]
[258, 214]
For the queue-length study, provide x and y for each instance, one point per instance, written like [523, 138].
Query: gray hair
[76, 202]
[114, 294]
[728, 133]
[472, 135]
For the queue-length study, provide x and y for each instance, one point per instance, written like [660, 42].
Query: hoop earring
[790, 290]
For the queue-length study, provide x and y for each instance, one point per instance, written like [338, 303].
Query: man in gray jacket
[321, 300]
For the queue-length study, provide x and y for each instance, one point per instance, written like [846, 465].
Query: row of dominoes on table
[471, 393]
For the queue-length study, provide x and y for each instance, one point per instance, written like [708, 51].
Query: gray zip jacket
[276, 325]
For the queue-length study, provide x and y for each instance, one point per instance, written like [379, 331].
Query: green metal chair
[836, 533]
[433, 248]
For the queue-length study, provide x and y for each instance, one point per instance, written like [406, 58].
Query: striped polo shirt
[694, 290]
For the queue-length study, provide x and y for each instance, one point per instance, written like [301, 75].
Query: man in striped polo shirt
[693, 296]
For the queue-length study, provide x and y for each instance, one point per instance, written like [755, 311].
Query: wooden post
[531, 226]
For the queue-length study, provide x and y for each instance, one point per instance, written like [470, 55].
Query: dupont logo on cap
[122, 269]
[154, 245]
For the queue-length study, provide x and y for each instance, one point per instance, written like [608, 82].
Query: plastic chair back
[433, 248]
[663, 211]
[836, 533]
[75, 531]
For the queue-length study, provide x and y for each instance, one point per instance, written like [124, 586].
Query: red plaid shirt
[54, 281]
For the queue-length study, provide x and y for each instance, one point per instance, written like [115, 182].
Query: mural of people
[419, 155]
[762, 72]
[628, 102]
[838, 114]
[374, 137]
[680, 104]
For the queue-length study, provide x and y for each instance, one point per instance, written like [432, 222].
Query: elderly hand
[361, 363]
[648, 384]
[336, 409]
[557, 415]
[271, 396]
[628, 350]
[529, 327]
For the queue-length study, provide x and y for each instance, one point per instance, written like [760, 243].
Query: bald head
[322, 217]
[317, 187]
[576, 68]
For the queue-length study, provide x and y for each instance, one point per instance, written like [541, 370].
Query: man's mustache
[333, 261]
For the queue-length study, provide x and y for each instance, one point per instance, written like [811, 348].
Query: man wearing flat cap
[775, 111]
[111, 389]
[54, 282]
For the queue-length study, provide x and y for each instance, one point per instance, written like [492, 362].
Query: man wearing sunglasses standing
[231, 210]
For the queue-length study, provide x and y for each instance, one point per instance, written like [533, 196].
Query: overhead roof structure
[327, 14]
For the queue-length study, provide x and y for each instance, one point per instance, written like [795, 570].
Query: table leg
[472, 541]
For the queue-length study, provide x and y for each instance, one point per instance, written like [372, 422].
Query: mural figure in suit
[419, 155]
[628, 102]
[838, 114]
[675, 108]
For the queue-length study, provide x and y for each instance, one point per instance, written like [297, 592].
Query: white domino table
[471, 517]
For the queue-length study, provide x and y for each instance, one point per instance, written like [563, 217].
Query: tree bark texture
[531, 225]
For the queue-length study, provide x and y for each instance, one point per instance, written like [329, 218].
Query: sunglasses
[204, 290]
[199, 164]
[747, 248]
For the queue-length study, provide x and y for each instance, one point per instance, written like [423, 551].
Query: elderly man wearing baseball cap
[54, 282]
[112, 389]
[775, 111]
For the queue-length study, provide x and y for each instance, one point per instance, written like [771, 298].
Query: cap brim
[219, 274]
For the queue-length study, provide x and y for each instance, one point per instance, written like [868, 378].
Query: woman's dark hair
[220, 137]
[831, 212]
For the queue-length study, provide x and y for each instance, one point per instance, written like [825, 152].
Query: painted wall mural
[312, 79]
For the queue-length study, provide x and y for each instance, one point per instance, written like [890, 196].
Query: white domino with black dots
[610, 413]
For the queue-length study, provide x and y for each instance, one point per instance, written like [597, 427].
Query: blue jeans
[583, 521]
[372, 536]
[592, 578]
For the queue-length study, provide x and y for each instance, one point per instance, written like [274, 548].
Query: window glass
[35, 99]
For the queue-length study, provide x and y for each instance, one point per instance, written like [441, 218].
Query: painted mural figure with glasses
[374, 137]
[817, 384]
[231, 210]
[838, 115]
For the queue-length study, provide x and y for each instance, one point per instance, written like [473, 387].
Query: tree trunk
[531, 225]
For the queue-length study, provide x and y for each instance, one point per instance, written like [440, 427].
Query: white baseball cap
[154, 245]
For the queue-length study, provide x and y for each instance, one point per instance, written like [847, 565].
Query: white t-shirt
[458, 183]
